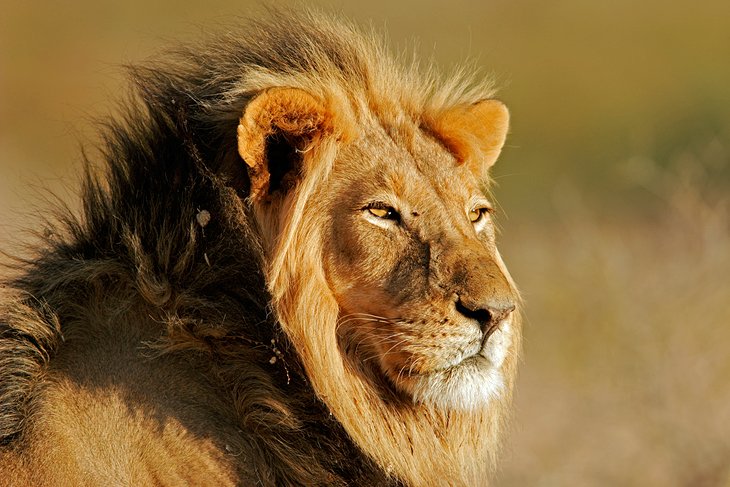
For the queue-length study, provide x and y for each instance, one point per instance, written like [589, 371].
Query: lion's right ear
[474, 133]
[278, 127]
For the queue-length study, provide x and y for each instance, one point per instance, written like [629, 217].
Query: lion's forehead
[418, 173]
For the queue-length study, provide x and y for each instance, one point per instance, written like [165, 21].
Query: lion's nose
[488, 316]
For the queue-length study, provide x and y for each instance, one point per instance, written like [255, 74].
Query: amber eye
[384, 212]
[476, 214]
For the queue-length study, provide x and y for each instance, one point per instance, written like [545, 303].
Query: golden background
[613, 189]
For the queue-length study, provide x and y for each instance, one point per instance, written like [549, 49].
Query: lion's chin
[470, 385]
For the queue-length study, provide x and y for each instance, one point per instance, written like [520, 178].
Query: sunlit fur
[139, 346]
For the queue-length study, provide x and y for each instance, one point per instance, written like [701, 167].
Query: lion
[286, 274]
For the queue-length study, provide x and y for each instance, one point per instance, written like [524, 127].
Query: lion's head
[383, 266]
[409, 254]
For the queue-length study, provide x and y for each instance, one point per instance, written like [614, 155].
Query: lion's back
[92, 437]
[103, 411]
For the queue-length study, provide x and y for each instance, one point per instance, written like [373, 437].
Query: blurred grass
[615, 180]
[626, 378]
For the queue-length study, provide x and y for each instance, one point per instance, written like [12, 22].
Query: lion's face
[410, 256]
[408, 243]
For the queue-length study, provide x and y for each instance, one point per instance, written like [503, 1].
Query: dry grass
[626, 379]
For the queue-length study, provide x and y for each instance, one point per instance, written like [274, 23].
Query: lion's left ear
[474, 133]
[278, 127]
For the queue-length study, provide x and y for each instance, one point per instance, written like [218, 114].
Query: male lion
[286, 276]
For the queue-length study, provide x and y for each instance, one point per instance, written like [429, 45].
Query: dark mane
[165, 227]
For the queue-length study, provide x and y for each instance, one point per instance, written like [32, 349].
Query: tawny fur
[188, 327]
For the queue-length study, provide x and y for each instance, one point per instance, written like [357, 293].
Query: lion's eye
[384, 212]
[477, 214]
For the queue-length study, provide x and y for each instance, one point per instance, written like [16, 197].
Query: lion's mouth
[485, 352]
[471, 383]
[476, 360]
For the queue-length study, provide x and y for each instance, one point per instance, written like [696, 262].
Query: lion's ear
[474, 133]
[277, 128]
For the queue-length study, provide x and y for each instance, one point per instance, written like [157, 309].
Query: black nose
[488, 316]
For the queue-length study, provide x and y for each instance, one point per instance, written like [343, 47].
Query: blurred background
[613, 188]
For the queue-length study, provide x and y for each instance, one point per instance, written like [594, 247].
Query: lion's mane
[166, 233]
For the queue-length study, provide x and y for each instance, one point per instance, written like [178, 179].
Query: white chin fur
[471, 384]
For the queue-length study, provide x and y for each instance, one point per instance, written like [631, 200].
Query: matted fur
[203, 323]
